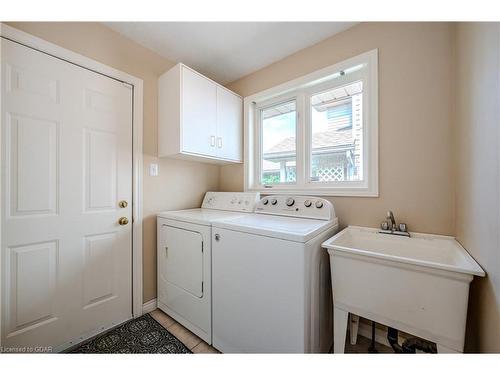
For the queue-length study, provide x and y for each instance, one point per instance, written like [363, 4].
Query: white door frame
[137, 98]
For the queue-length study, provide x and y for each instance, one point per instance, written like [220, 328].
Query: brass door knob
[123, 221]
[123, 204]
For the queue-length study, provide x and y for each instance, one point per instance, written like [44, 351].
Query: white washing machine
[271, 278]
[184, 258]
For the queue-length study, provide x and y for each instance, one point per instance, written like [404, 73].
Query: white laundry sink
[440, 252]
[419, 284]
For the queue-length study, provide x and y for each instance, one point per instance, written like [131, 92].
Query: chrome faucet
[390, 227]
[390, 216]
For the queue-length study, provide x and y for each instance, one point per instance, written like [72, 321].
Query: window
[337, 134]
[279, 143]
[316, 134]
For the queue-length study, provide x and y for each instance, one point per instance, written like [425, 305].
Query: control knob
[307, 203]
[319, 204]
[274, 201]
[290, 202]
[265, 201]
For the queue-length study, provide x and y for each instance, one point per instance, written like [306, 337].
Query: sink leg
[441, 349]
[339, 329]
[353, 328]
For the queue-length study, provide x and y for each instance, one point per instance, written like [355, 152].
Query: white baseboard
[149, 306]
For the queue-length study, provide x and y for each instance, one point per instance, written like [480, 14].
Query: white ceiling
[226, 51]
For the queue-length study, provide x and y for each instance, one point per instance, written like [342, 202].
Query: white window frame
[301, 89]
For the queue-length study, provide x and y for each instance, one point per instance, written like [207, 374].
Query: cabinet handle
[219, 142]
[212, 141]
[166, 251]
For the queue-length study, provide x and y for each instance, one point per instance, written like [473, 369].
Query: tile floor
[192, 342]
[198, 346]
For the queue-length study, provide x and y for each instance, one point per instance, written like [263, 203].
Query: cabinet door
[229, 125]
[199, 120]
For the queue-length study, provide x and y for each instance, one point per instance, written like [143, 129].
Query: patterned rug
[141, 335]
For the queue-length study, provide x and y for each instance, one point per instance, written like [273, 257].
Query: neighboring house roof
[328, 140]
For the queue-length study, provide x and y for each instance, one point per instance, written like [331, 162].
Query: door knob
[123, 204]
[123, 220]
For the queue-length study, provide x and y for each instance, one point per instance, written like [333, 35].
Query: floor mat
[141, 335]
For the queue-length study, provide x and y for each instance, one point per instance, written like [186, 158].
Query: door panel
[184, 259]
[101, 102]
[100, 169]
[32, 163]
[32, 278]
[229, 125]
[31, 82]
[199, 106]
[99, 269]
[66, 163]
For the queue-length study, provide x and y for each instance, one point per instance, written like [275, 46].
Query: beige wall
[180, 184]
[415, 97]
[477, 137]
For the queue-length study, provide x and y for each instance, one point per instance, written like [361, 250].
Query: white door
[66, 141]
[199, 106]
[229, 125]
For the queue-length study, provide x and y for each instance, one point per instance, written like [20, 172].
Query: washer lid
[285, 228]
[202, 216]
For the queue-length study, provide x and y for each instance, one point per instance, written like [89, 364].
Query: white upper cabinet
[198, 119]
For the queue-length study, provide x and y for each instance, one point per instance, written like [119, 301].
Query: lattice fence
[330, 174]
[325, 174]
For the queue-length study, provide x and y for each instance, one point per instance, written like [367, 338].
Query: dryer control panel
[230, 201]
[297, 206]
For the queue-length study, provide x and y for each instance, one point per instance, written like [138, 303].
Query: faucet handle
[384, 225]
[402, 227]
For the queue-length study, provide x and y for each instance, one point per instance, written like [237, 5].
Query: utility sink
[426, 250]
[418, 284]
